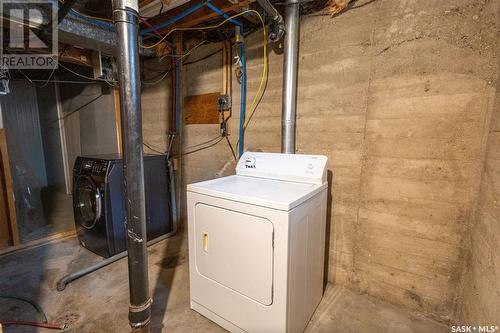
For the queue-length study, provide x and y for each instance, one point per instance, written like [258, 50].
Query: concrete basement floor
[99, 302]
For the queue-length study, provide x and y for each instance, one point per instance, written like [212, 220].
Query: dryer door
[88, 202]
[235, 250]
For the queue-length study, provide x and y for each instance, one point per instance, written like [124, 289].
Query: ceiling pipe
[290, 68]
[278, 27]
[125, 17]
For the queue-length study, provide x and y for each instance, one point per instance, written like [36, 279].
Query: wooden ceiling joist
[200, 16]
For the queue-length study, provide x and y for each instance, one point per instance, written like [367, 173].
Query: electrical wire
[67, 114]
[112, 84]
[257, 104]
[202, 58]
[155, 70]
[204, 143]
[34, 304]
[159, 74]
[227, 86]
[54, 81]
[155, 149]
[77, 74]
[253, 111]
[191, 50]
[260, 90]
[209, 27]
[45, 82]
[263, 80]
[202, 148]
[163, 76]
[231, 147]
[171, 137]
[93, 17]
[32, 323]
[149, 25]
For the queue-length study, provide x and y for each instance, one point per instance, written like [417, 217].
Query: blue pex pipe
[182, 15]
[243, 78]
[221, 13]
[243, 98]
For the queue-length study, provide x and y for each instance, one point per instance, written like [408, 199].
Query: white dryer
[257, 243]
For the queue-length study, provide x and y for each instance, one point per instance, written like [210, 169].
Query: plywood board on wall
[202, 109]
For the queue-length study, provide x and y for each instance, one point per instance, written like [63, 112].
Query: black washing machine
[98, 201]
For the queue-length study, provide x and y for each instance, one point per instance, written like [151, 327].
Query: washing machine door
[88, 201]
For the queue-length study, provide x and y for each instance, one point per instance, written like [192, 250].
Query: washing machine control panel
[289, 167]
[99, 168]
[87, 165]
[93, 167]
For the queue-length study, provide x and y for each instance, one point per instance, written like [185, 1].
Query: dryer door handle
[205, 241]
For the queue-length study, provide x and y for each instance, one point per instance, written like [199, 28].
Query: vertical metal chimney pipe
[290, 68]
[125, 16]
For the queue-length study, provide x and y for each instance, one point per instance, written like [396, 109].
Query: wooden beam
[143, 3]
[211, 15]
[4, 214]
[8, 188]
[193, 20]
[225, 76]
[75, 55]
[167, 15]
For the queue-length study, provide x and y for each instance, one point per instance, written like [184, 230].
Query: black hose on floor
[34, 304]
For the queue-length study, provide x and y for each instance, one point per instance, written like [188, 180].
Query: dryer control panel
[288, 167]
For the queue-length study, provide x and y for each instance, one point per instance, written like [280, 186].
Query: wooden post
[8, 189]
[226, 77]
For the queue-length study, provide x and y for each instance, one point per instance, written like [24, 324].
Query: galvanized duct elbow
[278, 28]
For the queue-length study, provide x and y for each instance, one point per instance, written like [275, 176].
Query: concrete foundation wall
[156, 102]
[399, 96]
[481, 303]
[89, 120]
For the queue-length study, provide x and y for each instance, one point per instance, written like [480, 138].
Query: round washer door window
[88, 202]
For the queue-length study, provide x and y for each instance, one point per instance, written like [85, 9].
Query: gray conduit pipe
[65, 280]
